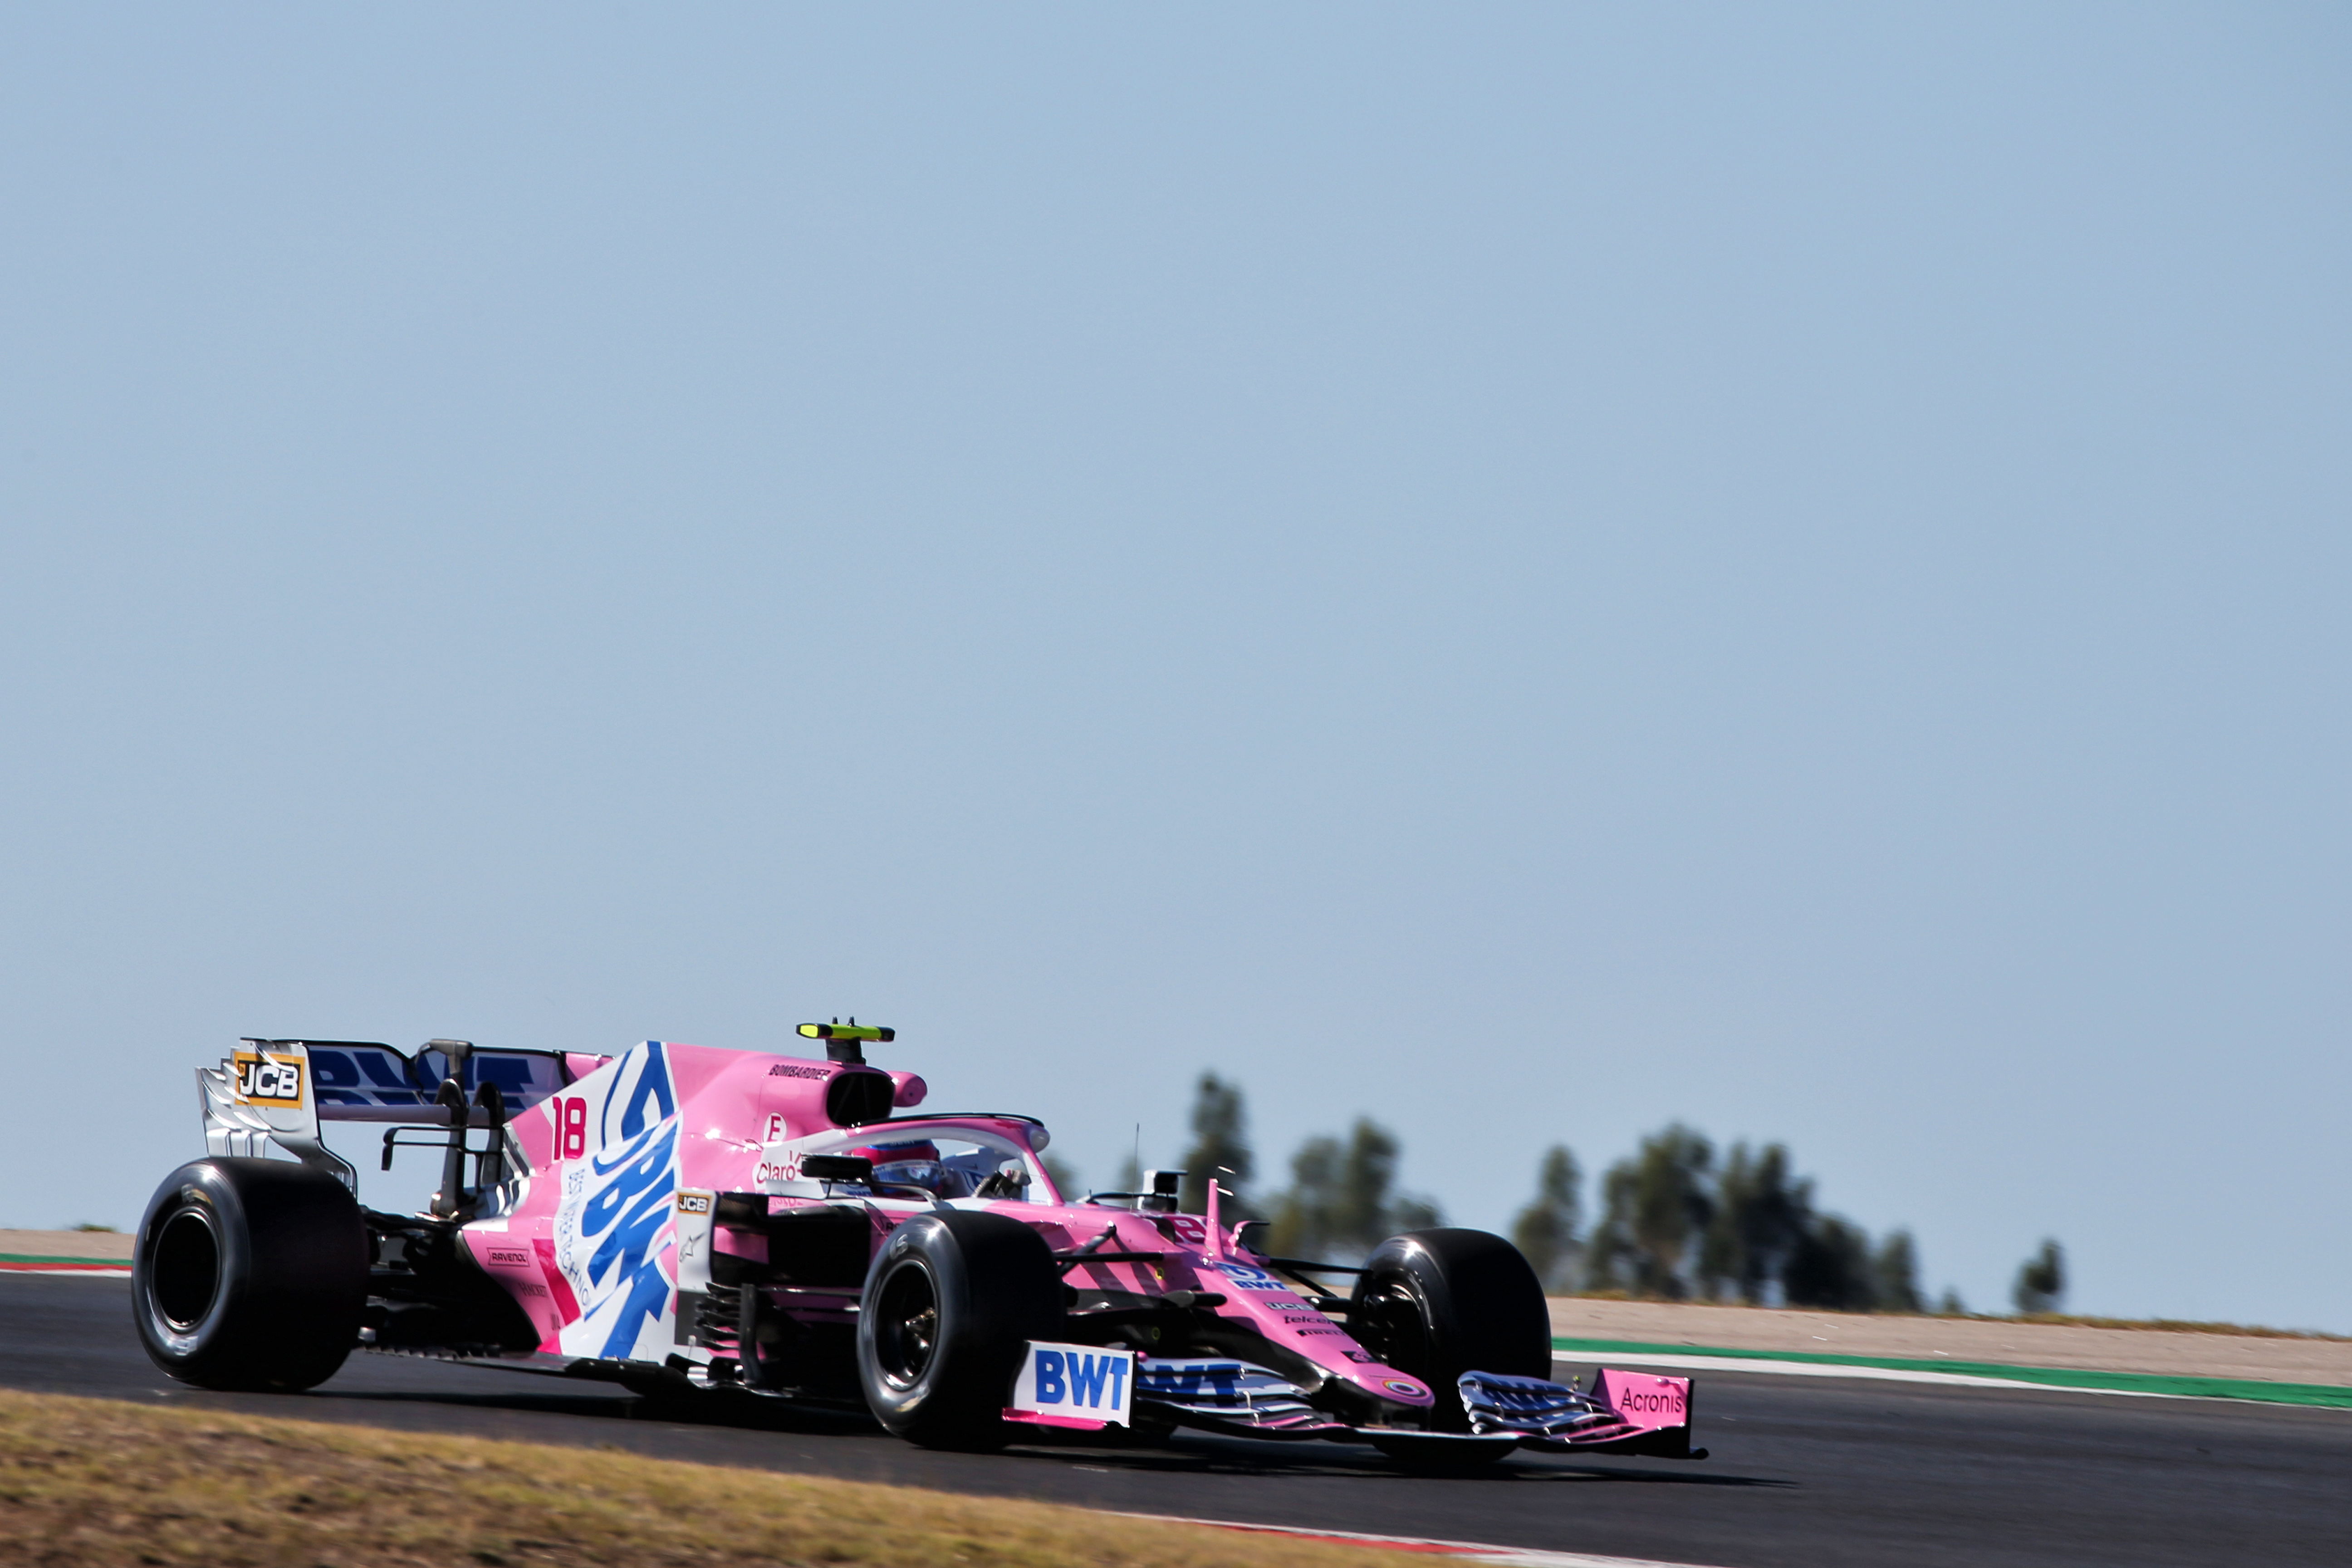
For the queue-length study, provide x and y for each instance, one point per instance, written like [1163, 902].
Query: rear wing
[362, 1081]
[278, 1091]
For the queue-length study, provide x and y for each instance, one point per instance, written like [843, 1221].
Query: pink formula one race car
[704, 1223]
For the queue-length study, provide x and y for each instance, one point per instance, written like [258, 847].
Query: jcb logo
[694, 1203]
[268, 1080]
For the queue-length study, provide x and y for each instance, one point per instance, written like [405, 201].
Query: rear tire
[950, 1303]
[250, 1275]
[1438, 1303]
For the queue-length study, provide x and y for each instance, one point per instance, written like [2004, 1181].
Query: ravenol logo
[1082, 1381]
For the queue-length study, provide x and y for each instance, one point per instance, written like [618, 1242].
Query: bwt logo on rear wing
[361, 1080]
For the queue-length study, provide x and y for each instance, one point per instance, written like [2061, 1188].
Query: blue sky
[1526, 574]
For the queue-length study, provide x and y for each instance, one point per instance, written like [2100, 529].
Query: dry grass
[2169, 1325]
[98, 1482]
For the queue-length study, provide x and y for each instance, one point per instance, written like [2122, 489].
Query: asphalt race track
[1805, 1472]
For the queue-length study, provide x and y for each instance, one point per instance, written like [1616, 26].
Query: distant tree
[1412, 1211]
[1220, 1147]
[1361, 1207]
[1951, 1305]
[1340, 1203]
[1302, 1224]
[1675, 1224]
[1761, 1213]
[1064, 1176]
[1830, 1267]
[2041, 1280]
[1894, 1276]
[1654, 1205]
[1546, 1230]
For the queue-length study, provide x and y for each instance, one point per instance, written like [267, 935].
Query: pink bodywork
[587, 1240]
[1640, 1399]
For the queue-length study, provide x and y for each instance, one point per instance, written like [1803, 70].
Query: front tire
[250, 1275]
[1438, 1303]
[951, 1302]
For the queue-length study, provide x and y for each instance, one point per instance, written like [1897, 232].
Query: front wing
[1620, 1412]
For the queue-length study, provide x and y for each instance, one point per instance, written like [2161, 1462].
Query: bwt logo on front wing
[1083, 1380]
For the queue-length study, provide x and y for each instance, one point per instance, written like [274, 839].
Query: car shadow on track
[748, 1415]
[1191, 1454]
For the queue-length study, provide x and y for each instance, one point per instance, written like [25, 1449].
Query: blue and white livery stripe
[615, 1231]
[1529, 1407]
[1233, 1392]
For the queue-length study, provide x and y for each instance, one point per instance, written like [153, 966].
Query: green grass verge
[2047, 1376]
[93, 1483]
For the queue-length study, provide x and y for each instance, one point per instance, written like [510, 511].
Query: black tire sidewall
[291, 1283]
[1481, 1308]
[199, 1354]
[904, 1409]
[996, 1288]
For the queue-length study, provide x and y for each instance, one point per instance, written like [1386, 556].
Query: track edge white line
[1468, 1551]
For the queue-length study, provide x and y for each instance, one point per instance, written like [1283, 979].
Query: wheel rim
[906, 1324]
[1389, 1325]
[186, 1272]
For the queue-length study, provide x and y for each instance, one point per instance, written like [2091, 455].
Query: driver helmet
[915, 1164]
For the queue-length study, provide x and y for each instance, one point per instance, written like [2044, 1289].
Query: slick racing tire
[250, 1275]
[950, 1302]
[1438, 1303]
